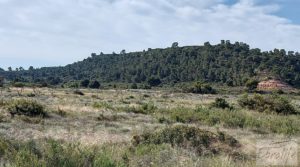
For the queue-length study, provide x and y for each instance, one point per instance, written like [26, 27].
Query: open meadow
[138, 127]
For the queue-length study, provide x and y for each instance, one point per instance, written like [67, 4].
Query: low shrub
[55, 153]
[221, 103]
[268, 103]
[31, 95]
[251, 84]
[101, 105]
[78, 92]
[110, 118]
[145, 108]
[3, 103]
[260, 122]
[18, 84]
[134, 86]
[146, 96]
[131, 97]
[26, 107]
[201, 141]
[60, 112]
[200, 88]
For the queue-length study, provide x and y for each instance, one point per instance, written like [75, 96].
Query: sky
[59, 32]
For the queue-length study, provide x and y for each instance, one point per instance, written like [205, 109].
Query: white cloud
[55, 32]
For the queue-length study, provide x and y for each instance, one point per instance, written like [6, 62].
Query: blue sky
[288, 9]
[59, 32]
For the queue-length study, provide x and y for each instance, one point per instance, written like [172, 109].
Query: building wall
[267, 85]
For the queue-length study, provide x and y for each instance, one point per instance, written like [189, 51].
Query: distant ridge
[224, 63]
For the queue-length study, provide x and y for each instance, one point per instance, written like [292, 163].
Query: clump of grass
[163, 120]
[145, 108]
[60, 112]
[192, 138]
[26, 107]
[109, 118]
[32, 120]
[3, 103]
[31, 95]
[101, 105]
[130, 97]
[151, 155]
[259, 122]
[269, 103]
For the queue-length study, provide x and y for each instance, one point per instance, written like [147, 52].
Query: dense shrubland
[267, 103]
[54, 153]
[159, 148]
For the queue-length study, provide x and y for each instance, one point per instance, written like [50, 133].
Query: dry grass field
[107, 128]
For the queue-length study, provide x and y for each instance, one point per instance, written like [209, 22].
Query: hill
[224, 63]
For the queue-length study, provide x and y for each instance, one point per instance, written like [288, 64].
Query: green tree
[134, 86]
[252, 84]
[94, 85]
[123, 52]
[225, 63]
[175, 45]
[154, 81]
[21, 68]
[85, 83]
[1, 81]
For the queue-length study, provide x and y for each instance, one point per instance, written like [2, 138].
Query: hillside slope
[224, 63]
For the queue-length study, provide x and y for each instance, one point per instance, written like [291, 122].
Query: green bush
[221, 103]
[85, 83]
[18, 84]
[252, 84]
[152, 81]
[54, 153]
[31, 95]
[268, 103]
[133, 86]
[1, 82]
[260, 122]
[200, 88]
[3, 103]
[78, 92]
[94, 85]
[26, 107]
[201, 141]
[145, 108]
[104, 105]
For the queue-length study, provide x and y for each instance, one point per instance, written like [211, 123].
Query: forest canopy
[224, 63]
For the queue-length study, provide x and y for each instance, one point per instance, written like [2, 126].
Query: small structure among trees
[273, 84]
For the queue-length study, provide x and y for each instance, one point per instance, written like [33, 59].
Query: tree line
[226, 63]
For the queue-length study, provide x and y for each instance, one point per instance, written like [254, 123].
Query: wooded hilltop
[224, 63]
